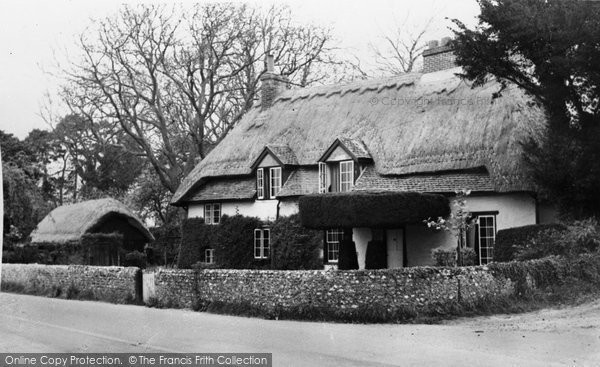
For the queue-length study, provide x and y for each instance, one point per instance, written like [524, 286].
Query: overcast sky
[34, 34]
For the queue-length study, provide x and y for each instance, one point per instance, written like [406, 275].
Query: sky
[35, 35]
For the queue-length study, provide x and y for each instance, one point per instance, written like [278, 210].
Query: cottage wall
[265, 210]
[514, 210]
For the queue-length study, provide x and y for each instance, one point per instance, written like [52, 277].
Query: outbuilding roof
[69, 222]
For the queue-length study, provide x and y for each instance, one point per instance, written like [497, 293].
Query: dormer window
[341, 165]
[271, 167]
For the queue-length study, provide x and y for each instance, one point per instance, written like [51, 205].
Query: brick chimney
[438, 56]
[272, 84]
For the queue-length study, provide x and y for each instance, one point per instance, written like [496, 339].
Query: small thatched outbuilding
[69, 225]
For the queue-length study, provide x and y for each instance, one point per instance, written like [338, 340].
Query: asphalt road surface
[569, 336]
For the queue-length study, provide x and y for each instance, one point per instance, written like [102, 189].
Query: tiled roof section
[356, 147]
[302, 181]
[283, 153]
[433, 183]
[226, 189]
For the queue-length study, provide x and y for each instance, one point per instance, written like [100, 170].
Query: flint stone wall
[393, 289]
[106, 283]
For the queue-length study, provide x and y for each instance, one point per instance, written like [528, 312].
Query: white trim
[210, 209]
[209, 256]
[323, 174]
[260, 183]
[262, 243]
[333, 239]
[274, 189]
[489, 250]
[349, 183]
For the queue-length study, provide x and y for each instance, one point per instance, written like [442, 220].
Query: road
[545, 338]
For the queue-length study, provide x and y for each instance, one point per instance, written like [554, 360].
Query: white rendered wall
[263, 209]
[361, 237]
[514, 210]
[288, 207]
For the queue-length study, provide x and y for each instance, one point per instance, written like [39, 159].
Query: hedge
[373, 210]
[196, 236]
[232, 240]
[294, 247]
[510, 240]
[234, 247]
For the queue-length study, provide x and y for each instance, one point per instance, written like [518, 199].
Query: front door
[395, 244]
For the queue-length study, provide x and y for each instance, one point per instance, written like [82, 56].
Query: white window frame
[333, 237]
[274, 182]
[346, 185]
[489, 250]
[323, 177]
[209, 256]
[209, 213]
[260, 183]
[262, 243]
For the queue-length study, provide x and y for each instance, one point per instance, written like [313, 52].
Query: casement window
[323, 178]
[333, 237]
[486, 237]
[209, 256]
[346, 175]
[268, 182]
[260, 183]
[275, 181]
[336, 176]
[212, 213]
[262, 243]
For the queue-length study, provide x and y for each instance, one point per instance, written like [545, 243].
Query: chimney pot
[432, 44]
[270, 63]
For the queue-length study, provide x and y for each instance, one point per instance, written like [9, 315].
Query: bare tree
[177, 80]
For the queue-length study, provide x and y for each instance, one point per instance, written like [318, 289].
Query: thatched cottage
[67, 224]
[397, 144]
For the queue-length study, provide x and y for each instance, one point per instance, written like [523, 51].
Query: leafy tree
[549, 49]
[96, 155]
[177, 83]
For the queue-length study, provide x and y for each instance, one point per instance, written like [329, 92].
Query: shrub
[447, 257]
[581, 237]
[469, 256]
[444, 256]
[529, 242]
[376, 257]
[374, 210]
[135, 258]
[294, 247]
[166, 244]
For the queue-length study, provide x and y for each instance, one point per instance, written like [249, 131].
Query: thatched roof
[415, 123]
[242, 188]
[69, 222]
[355, 147]
[477, 180]
[302, 181]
